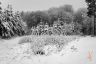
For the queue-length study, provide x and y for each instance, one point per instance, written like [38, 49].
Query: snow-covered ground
[82, 51]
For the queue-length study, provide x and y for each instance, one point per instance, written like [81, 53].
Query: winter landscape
[47, 32]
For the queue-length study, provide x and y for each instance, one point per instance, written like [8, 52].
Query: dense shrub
[38, 43]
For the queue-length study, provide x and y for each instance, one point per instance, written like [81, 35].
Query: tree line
[82, 23]
[66, 20]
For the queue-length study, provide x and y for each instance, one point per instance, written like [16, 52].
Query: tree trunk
[93, 24]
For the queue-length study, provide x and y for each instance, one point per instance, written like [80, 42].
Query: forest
[62, 20]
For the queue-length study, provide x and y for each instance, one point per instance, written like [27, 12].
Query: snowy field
[80, 51]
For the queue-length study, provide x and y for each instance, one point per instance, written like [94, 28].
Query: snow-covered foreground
[81, 51]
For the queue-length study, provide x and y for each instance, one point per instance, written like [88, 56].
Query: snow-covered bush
[45, 44]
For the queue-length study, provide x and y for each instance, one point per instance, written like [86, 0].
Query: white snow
[81, 51]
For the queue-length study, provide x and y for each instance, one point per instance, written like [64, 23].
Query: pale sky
[33, 5]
